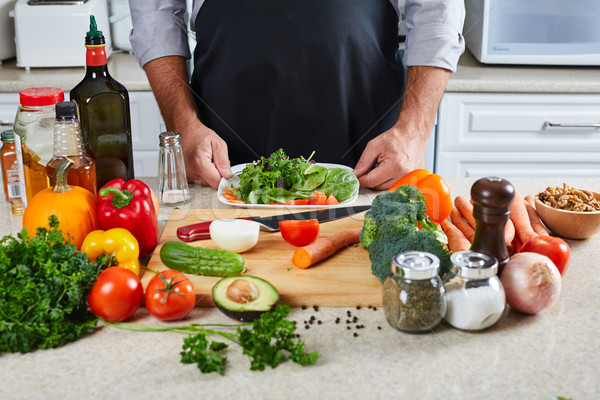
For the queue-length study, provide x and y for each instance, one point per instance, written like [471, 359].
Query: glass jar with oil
[34, 134]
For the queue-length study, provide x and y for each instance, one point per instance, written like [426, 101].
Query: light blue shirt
[434, 30]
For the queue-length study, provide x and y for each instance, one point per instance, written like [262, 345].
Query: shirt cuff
[434, 46]
[162, 34]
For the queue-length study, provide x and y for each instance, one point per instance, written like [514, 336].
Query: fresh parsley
[271, 340]
[44, 284]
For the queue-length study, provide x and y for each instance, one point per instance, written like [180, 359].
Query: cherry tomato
[331, 200]
[299, 233]
[321, 197]
[298, 202]
[552, 247]
[170, 295]
[116, 294]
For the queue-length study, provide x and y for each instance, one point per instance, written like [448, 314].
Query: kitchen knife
[200, 230]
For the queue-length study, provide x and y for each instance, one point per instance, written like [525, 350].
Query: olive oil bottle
[104, 113]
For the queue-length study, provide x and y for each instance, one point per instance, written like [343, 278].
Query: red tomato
[170, 295]
[299, 233]
[321, 197]
[552, 247]
[331, 200]
[298, 202]
[116, 294]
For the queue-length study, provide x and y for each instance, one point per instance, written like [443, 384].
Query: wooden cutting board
[343, 280]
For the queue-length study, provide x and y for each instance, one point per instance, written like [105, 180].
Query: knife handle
[198, 231]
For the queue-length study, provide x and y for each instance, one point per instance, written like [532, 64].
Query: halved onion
[235, 235]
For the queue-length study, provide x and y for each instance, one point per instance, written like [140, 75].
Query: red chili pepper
[129, 205]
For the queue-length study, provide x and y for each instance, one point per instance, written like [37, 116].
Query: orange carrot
[309, 255]
[237, 201]
[466, 209]
[509, 232]
[536, 223]
[462, 224]
[519, 216]
[456, 240]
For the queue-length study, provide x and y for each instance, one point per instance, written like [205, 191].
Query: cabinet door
[145, 163]
[519, 122]
[9, 103]
[146, 122]
[524, 164]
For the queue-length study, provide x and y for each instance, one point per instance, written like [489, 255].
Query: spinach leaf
[340, 182]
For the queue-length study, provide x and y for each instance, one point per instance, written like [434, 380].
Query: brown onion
[531, 282]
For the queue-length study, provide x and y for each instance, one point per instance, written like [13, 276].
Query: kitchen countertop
[471, 76]
[521, 357]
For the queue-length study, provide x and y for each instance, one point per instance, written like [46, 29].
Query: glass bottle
[10, 172]
[104, 113]
[34, 132]
[474, 294]
[69, 143]
[414, 296]
[172, 181]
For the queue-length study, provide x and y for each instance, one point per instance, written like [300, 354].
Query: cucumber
[200, 260]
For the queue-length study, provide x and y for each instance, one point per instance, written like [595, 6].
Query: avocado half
[244, 298]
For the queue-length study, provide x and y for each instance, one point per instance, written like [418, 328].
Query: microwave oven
[536, 32]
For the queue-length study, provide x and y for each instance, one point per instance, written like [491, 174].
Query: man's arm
[434, 44]
[205, 153]
[402, 148]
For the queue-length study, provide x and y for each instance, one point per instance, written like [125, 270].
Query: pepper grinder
[491, 197]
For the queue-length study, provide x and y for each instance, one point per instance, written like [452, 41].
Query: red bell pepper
[129, 205]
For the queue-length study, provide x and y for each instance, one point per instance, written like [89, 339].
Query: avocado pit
[244, 298]
[242, 291]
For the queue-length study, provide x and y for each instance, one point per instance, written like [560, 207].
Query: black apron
[301, 75]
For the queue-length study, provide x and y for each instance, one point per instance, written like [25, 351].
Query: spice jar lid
[415, 265]
[43, 96]
[8, 136]
[169, 139]
[473, 265]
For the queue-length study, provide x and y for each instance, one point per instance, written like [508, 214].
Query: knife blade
[200, 230]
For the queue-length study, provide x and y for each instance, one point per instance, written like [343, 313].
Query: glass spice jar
[474, 294]
[414, 296]
[172, 182]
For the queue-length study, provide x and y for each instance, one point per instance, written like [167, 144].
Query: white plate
[235, 181]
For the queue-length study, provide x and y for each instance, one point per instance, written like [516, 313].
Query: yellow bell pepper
[118, 244]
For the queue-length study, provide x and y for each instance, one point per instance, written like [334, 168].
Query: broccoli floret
[397, 222]
[392, 240]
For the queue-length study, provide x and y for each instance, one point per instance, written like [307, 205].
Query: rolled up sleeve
[434, 33]
[159, 29]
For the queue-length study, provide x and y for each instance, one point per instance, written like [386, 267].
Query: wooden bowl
[569, 224]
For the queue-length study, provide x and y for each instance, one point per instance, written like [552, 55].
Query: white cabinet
[518, 135]
[9, 103]
[146, 125]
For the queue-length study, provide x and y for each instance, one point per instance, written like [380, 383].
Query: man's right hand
[205, 155]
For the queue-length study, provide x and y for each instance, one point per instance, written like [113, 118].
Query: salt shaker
[172, 181]
[474, 294]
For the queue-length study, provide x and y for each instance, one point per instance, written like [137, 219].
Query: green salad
[283, 180]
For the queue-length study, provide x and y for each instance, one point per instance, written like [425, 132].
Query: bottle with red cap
[34, 134]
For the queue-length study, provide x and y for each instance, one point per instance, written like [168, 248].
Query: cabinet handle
[572, 125]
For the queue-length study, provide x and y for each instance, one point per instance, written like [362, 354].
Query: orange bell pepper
[119, 245]
[433, 188]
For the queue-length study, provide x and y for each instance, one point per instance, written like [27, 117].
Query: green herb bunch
[271, 340]
[44, 284]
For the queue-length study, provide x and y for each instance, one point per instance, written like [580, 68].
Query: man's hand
[205, 155]
[204, 152]
[401, 149]
[393, 153]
